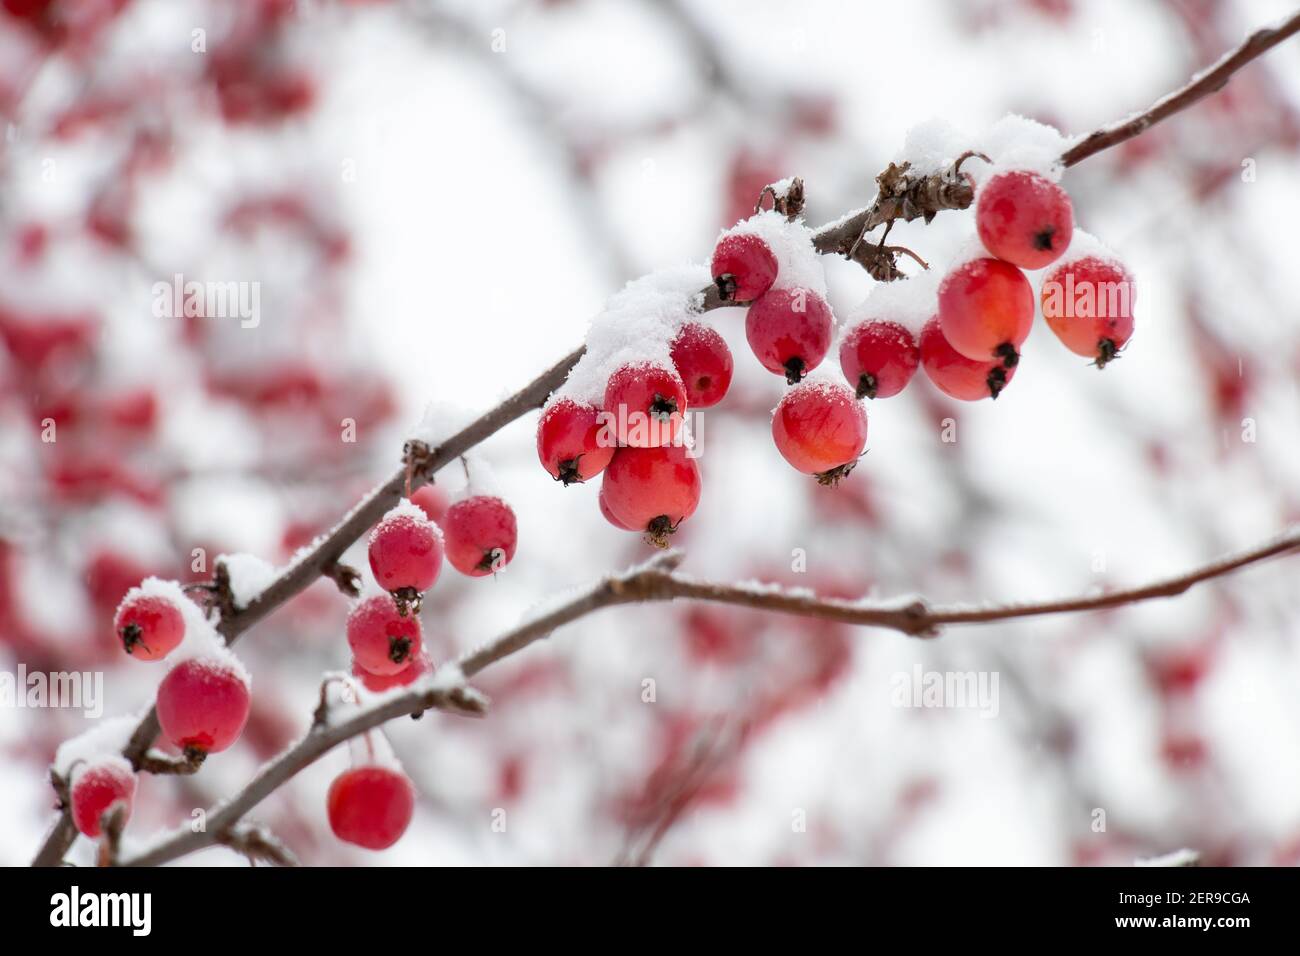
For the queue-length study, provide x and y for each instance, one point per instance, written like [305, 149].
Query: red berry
[879, 358]
[202, 705]
[432, 500]
[149, 626]
[743, 267]
[406, 556]
[703, 363]
[651, 489]
[1024, 218]
[646, 403]
[986, 308]
[371, 806]
[97, 787]
[789, 331]
[383, 640]
[481, 535]
[820, 428]
[954, 374]
[609, 515]
[378, 683]
[572, 441]
[1088, 303]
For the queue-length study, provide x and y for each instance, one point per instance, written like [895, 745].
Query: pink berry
[789, 331]
[378, 683]
[986, 308]
[95, 788]
[703, 363]
[1088, 303]
[743, 267]
[820, 428]
[371, 806]
[149, 626]
[405, 557]
[481, 535]
[954, 374]
[1024, 218]
[432, 500]
[645, 404]
[879, 358]
[652, 489]
[383, 640]
[202, 705]
[572, 441]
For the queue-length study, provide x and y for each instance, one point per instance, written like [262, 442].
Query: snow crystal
[249, 576]
[932, 146]
[403, 512]
[1183, 857]
[1084, 245]
[480, 480]
[447, 677]
[637, 325]
[442, 420]
[910, 302]
[106, 740]
[825, 377]
[799, 266]
[1015, 142]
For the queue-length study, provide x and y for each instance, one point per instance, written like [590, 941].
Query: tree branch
[900, 197]
[653, 581]
[1200, 86]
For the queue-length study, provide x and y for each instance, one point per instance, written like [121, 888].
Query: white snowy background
[501, 168]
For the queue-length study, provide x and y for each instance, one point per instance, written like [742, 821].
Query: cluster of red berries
[203, 701]
[984, 308]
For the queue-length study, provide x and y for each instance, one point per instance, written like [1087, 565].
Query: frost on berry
[98, 786]
[405, 552]
[1024, 218]
[573, 443]
[383, 640]
[150, 622]
[652, 490]
[790, 330]
[203, 704]
[370, 806]
[743, 267]
[820, 428]
[704, 364]
[957, 376]
[986, 309]
[645, 403]
[481, 535]
[1088, 300]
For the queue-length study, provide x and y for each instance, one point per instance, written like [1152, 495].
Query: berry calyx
[432, 500]
[986, 308]
[573, 443]
[370, 806]
[383, 640]
[481, 534]
[820, 428]
[202, 706]
[651, 490]
[954, 374]
[743, 267]
[149, 626]
[1088, 303]
[645, 403]
[1024, 218]
[879, 358]
[96, 788]
[703, 363]
[378, 683]
[406, 555]
[789, 331]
